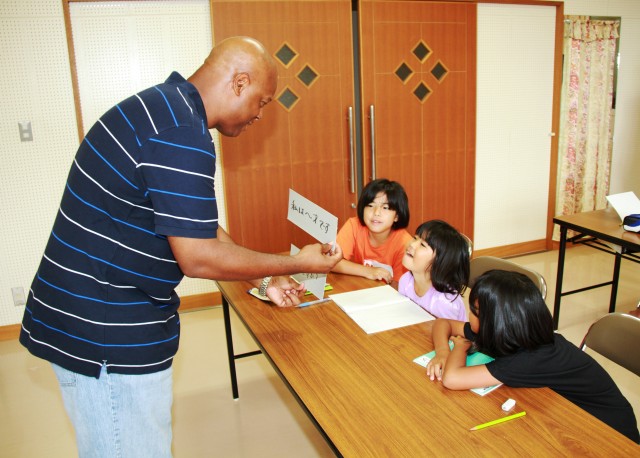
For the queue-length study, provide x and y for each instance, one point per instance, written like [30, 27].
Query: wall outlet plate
[18, 296]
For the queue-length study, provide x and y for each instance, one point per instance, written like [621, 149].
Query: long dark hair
[511, 312]
[450, 267]
[396, 196]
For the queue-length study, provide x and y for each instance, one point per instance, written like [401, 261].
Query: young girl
[511, 323]
[374, 242]
[438, 264]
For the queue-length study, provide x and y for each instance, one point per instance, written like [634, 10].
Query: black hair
[511, 312]
[450, 266]
[396, 197]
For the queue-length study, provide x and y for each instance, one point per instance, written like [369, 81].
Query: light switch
[26, 135]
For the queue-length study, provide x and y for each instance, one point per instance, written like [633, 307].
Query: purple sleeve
[442, 306]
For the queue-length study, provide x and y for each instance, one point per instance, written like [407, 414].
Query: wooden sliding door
[418, 73]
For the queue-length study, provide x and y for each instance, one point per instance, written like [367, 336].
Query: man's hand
[321, 257]
[283, 291]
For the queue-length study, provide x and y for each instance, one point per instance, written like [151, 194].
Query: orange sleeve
[346, 238]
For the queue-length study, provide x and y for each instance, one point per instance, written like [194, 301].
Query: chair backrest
[482, 264]
[616, 336]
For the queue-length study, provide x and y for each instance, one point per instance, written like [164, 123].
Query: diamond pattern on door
[439, 71]
[307, 75]
[421, 51]
[286, 55]
[404, 71]
[288, 98]
[422, 91]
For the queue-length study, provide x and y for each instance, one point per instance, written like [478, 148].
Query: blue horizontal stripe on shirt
[110, 263]
[168, 105]
[106, 213]
[182, 146]
[110, 166]
[147, 344]
[130, 125]
[66, 291]
[180, 195]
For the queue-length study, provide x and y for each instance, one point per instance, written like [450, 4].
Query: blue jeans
[119, 415]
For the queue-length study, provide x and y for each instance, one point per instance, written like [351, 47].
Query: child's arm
[441, 331]
[345, 266]
[458, 376]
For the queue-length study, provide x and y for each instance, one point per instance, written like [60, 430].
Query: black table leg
[614, 283]
[230, 352]
[558, 295]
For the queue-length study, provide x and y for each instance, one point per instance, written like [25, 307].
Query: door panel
[302, 143]
[418, 62]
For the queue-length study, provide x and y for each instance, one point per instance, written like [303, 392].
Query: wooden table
[368, 398]
[592, 229]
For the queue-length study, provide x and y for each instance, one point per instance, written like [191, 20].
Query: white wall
[36, 86]
[516, 48]
[141, 44]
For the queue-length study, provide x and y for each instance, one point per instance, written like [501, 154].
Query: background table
[592, 229]
[368, 398]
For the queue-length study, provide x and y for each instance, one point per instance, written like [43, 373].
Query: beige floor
[266, 421]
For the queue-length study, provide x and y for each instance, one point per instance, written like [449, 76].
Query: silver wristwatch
[264, 285]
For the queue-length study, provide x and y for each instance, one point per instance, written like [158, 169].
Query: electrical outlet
[18, 296]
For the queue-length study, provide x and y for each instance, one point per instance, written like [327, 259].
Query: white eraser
[508, 405]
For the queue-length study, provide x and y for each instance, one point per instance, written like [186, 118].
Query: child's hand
[435, 367]
[379, 273]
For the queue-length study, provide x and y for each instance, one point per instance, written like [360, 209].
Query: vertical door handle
[352, 153]
[372, 118]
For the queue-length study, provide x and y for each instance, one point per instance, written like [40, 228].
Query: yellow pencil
[499, 420]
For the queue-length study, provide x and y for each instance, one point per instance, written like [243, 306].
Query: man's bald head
[245, 53]
[237, 79]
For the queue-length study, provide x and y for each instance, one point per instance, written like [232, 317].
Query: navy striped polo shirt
[104, 291]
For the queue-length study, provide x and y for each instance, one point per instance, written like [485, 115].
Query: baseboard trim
[9, 332]
[198, 301]
[517, 249]
[187, 304]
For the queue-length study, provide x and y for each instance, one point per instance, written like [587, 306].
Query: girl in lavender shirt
[438, 263]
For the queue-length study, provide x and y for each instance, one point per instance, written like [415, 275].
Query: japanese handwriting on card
[311, 218]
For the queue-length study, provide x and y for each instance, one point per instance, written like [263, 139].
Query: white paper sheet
[380, 309]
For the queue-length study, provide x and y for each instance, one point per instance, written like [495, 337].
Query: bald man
[137, 214]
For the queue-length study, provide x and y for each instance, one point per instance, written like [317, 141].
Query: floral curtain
[586, 115]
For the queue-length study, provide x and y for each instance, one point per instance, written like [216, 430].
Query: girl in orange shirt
[374, 242]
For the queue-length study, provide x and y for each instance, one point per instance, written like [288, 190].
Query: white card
[625, 203]
[311, 218]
